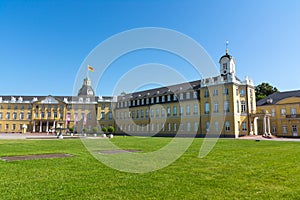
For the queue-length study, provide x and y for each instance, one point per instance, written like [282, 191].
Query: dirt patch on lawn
[116, 151]
[34, 157]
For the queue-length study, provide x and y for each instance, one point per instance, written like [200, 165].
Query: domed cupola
[227, 64]
[86, 89]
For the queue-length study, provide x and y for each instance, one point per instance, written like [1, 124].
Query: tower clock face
[89, 92]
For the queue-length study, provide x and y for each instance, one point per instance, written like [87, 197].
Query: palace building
[223, 105]
[282, 110]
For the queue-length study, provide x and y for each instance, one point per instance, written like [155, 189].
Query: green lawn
[235, 169]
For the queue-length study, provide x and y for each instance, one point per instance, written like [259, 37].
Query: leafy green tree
[111, 129]
[104, 129]
[95, 129]
[263, 90]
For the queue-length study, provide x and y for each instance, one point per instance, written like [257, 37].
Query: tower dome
[86, 89]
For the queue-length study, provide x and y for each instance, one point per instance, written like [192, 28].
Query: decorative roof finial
[227, 43]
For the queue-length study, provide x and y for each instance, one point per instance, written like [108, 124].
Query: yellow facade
[221, 105]
[284, 113]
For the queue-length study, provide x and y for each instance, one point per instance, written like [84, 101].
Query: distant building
[283, 111]
[222, 104]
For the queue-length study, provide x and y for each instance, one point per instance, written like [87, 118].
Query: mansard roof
[278, 96]
[183, 87]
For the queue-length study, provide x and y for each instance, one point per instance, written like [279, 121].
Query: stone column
[265, 126]
[251, 128]
[33, 129]
[41, 125]
[269, 126]
[47, 127]
[255, 125]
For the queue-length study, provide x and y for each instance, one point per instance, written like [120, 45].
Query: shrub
[111, 129]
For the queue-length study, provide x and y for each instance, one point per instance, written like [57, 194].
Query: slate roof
[278, 96]
[193, 85]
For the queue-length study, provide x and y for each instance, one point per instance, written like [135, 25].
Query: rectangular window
[16, 107]
[181, 110]
[273, 113]
[244, 126]
[138, 102]
[157, 112]
[242, 92]
[243, 107]
[157, 99]
[169, 98]
[188, 95]
[169, 127]
[207, 126]
[215, 92]
[133, 103]
[103, 106]
[147, 101]
[216, 107]
[195, 96]
[1, 115]
[14, 115]
[152, 100]
[48, 114]
[163, 99]
[227, 126]
[174, 127]
[147, 113]
[216, 126]
[188, 127]
[181, 96]
[14, 127]
[151, 113]
[274, 129]
[284, 129]
[22, 107]
[293, 112]
[162, 112]
[21, 115]
[226, 91]
[102, 115]
[42, 114]
[206, 93]
[174, 97]
[142, 113]
[110, 115]
[283, 111]
[143, 101]
[132, 115]
[206, 108]
[188, 110]
[168, 111]
[174, 110]
[295, 130]
[181, 127]
[195, 111]
[226, 106]
[6, 126]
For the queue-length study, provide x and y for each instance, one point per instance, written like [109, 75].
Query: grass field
[235, 169]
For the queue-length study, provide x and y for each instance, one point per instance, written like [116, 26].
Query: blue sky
[44, 43]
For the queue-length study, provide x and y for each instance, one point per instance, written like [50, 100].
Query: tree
[104, 129]
[263, 90]
[111, 129]
[95, 129]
